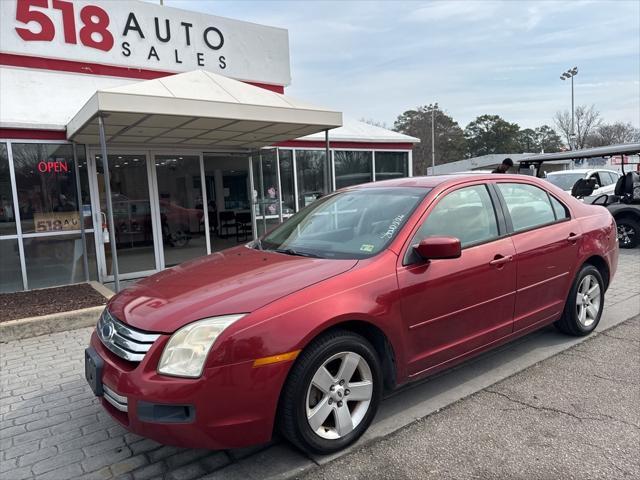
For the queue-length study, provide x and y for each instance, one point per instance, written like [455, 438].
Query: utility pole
[433, 139]
[566, 75]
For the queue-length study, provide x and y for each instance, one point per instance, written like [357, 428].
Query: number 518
[94, 21]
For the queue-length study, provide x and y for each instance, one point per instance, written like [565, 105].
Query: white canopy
[197, 109]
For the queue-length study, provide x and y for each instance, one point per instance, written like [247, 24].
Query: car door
[453, 306]
[546, 241]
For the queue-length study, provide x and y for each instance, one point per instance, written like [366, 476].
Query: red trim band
[26, 61]
[26, 134]
[339, 144]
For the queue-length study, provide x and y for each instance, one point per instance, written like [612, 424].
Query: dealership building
[134, 137]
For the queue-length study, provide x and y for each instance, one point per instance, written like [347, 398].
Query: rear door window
[528, 206]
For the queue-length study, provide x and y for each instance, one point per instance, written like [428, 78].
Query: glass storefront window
[352, 167]
[131, 212]
[391, 165]
[7, 209]
[81, 157]
[53, 261]
[10, 270]
[265, 181]
[47, 194]
[181, 208]
[286, 180]
[313, 175]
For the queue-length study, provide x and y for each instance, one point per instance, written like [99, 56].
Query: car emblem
[107, 329]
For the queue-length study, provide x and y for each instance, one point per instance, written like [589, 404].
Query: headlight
[187, 349]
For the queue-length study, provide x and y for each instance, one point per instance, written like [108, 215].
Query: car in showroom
[368, 288]
[604, 180]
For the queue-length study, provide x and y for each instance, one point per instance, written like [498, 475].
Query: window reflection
[352, 167]
[313, 179]
[391, 165]
[10, 270]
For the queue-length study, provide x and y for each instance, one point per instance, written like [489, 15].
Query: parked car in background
[605, 180]
[624, 206]
[367, 289]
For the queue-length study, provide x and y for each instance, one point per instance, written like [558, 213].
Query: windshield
[565, 181]
[352, 224]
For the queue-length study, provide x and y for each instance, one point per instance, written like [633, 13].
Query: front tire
[332, 393]
[584, 305]
[628, 232]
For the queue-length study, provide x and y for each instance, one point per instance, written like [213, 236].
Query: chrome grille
[126, 342]
[118, 401]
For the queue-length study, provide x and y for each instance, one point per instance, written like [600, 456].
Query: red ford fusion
[365, 290]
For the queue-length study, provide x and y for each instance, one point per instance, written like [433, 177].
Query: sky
[375, 60]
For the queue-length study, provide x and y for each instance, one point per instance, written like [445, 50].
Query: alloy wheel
[588, 300]
[625, 234]
[339, 395]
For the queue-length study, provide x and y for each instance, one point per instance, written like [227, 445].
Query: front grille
[126, 342]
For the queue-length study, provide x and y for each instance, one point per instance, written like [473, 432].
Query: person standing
[504, 167]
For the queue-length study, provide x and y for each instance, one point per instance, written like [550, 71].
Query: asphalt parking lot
[52, 427]
[573, 416]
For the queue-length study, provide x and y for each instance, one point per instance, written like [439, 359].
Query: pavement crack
[615, 380]
[631, 341]
[601, 416]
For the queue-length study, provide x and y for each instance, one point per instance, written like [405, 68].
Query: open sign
[53, 166]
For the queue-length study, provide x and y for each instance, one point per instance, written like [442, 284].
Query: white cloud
[377, 59]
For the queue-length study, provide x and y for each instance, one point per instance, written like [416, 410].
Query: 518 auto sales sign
[146, 36]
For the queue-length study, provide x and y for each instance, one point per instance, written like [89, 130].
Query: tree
[373, 122]
[449, 138]
[489, 134]
[548, 140]
[586, 120]
[527, 141]
[612, 134]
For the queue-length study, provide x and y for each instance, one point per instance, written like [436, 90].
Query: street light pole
[433, 138]
[566, 75]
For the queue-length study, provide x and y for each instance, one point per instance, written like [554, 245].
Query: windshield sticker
[366, 247]
[392, 228]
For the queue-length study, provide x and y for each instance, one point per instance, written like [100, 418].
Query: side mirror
[433, 248]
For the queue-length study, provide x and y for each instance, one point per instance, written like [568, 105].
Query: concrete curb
[45, 324]
[56, 322]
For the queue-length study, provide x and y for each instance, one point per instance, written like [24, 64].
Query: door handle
[573, 237]
[501, 259]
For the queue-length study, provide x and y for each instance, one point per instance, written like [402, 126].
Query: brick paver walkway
[51, 425]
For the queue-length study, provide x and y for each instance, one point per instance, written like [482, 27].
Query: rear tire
[628, 232]
[583, 308]
[332, 393]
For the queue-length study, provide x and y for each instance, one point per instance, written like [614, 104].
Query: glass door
[134, 215]
[182, 222]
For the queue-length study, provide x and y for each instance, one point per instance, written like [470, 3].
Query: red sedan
[365, 290]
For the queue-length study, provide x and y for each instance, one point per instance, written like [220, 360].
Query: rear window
[528, 206]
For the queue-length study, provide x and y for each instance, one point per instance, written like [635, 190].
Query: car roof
[581, 170]
[432, 181]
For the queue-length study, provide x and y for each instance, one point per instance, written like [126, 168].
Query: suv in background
[605, 180]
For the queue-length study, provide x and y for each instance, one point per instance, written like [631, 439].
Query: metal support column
[329, 165]
[205, 204]
[279, 184]
[254, 221]
[262, 209]
[107, 194]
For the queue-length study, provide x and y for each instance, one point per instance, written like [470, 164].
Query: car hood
[238, 280]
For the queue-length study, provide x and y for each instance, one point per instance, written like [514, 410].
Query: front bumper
[230, 406]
